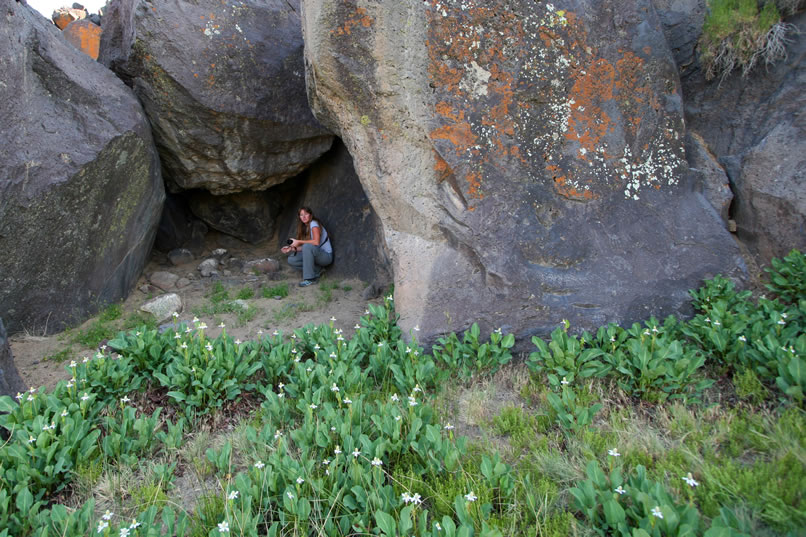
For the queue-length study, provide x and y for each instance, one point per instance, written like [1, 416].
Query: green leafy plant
[470, 357]
[653, 364]
[203, 373]
[632, 507]
[571, 415]
[566, 357]
[788, 277]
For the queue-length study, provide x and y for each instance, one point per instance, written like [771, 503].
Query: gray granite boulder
[10, 380]
[249, 216]
[755, 127]
[80, 183]
[163, 307]
[223, 84]
[526, 159]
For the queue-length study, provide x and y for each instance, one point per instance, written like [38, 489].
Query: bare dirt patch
[41, 360]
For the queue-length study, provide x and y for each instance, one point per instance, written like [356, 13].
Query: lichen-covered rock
[85, 36]
[223, 85]
[756, 128]
[80, 183]
[63, 16]
[526, 158]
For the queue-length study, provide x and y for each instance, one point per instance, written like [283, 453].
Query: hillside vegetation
[664, 428]
[741, 34]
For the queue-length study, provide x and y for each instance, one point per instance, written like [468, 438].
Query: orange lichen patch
[631, 71]
[474, 180]
[446, 77]
[358, 18]
[588, 123]
[459, 134]
[446, 110]
[61, 20]
[442, 168]
[85, 36]
[547, 36]
[515, 151]
[564, 188]
[501, 88]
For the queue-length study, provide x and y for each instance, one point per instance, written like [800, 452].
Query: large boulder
[10, 380]
[223, 85]
[249, 216]
[526, 159]
[80, 183]
[755, 127]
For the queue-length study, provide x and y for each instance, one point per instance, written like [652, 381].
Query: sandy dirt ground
[41, 361]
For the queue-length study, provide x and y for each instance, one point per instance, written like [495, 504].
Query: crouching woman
[311, 250]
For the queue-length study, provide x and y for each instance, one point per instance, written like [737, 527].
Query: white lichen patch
[475, 80]
[211, 29]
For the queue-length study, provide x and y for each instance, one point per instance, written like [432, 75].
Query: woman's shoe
[306, 283]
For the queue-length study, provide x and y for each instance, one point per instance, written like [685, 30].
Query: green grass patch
[289, 312]
[60, 356]
[245, 293]
[280, 290]
[101, 328]
[139, 319]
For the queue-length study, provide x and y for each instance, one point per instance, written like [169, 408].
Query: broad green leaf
[386, 523]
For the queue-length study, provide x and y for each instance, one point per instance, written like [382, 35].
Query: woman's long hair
[304, 231]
